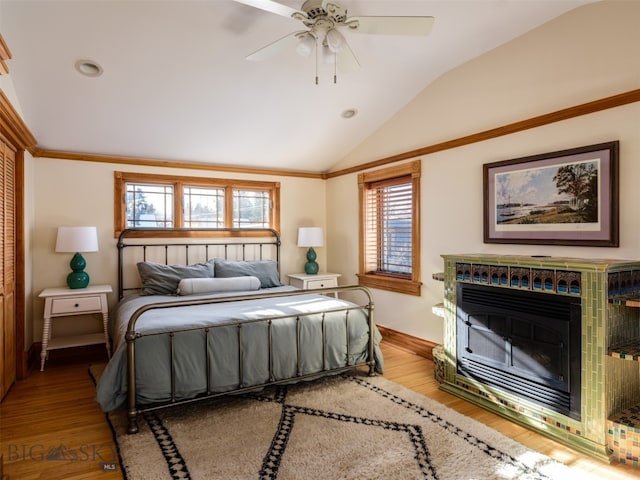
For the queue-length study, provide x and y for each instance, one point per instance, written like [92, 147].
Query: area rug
[344, 427]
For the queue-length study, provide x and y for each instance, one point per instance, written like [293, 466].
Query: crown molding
[5, 54]
[29, 142]
[606, 103]
[150, 162]
[12, 125]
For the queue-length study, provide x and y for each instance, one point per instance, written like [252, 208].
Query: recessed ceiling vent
[89, 68]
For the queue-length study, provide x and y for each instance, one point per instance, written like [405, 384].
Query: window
[164, 201]
[149, 205]
[390, 228]
[203, 207]
[251, 208]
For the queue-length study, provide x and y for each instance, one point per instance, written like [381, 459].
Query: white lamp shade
[77, 239]
[335, 40]
[328, 57]
[306, 45]
[310, 237]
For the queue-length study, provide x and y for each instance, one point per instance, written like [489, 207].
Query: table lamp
[310, 237]
[76, 240]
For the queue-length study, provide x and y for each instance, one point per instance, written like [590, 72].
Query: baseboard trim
[408, 343]
[66, 355]
[33, 357]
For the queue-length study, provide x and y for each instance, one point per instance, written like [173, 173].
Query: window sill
[392, 284]
[151, 232]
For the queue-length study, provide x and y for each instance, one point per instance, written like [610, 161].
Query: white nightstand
[64, 302]
[319, 280]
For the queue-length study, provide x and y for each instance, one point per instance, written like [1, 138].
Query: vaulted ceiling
[175, 83]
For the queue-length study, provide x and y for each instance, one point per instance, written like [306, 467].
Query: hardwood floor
[51, 428]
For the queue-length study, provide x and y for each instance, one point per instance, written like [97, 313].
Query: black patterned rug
[346, 427]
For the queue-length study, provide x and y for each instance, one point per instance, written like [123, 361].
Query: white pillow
[191, 286]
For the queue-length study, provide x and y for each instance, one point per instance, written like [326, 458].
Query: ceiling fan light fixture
[306, 45]
[325, 20]
[328, 57]
[335, 40]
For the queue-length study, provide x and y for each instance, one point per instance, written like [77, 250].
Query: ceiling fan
[324, 20]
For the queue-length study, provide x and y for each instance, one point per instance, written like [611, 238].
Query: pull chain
[335, 66]
[316, 63]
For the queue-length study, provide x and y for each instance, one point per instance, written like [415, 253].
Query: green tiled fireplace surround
[610, 385]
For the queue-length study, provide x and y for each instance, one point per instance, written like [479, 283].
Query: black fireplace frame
[491, 326]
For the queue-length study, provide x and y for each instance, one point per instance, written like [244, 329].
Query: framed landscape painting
[568, 197]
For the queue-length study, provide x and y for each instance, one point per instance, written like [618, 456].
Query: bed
[203, 313]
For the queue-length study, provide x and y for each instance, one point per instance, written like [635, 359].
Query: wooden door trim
[16, 134]
[22, 365]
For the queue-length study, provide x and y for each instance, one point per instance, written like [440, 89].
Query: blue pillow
[161, 279]
[265, 270]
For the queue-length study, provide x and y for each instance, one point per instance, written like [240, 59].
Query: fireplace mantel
[608, 292]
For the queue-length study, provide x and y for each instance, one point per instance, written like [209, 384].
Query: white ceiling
[176, 85]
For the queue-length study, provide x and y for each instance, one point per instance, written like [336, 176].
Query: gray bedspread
[153, 363]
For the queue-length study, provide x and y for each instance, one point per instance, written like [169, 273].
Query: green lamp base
[78, 278]
[311, 267]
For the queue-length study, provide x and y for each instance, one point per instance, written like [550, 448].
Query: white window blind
[388, 226]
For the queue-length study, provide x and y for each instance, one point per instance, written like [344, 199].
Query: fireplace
[526, 343]
[551, 343]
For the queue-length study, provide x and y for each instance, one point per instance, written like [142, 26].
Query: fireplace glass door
[527, 343]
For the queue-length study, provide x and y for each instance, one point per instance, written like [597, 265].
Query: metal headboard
[165, 245]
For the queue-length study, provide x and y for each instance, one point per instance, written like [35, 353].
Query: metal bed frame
[251, 247]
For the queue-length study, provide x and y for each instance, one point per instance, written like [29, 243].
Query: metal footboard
[133, 409]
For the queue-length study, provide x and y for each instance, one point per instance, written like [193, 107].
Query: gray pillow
[161, 279]
[265, 270]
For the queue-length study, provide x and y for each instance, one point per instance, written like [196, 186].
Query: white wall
[82, 193]
[584, 55]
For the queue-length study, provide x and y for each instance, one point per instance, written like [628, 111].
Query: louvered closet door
[7, 265]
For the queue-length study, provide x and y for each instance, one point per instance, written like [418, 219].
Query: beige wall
[28, 239]
[587, 54]
[81, 193]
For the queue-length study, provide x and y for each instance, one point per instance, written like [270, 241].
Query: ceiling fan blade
[347, 61]
[289, 41]
[273, 7]
[391, 25]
